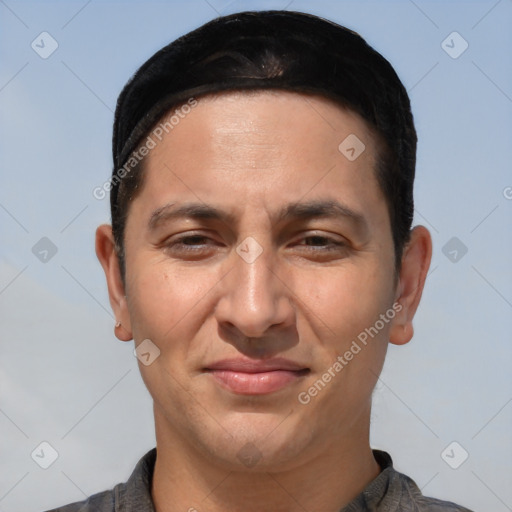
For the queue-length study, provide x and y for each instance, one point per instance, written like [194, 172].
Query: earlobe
[415, 263]
[121, 333]
[401, 333]
[107, 256]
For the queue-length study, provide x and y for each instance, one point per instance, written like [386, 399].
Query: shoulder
[415, 501]
[131, 496]
[394, 491]
[100, 502]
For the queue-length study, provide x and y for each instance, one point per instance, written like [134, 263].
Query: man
[262, 258]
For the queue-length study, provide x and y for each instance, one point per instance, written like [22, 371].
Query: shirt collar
[382, 493]
[135, 495]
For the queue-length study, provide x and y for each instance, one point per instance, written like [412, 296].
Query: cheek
[344, 308]
[158, 298]
[347, 301]
[168, 307]
[169, 304]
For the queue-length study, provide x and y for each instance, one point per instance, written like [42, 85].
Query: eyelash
[334, 244]
[180, 245]
[186, 247]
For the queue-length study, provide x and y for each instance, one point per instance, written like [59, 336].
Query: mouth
[250, 377]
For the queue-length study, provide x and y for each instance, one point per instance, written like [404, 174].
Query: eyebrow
[197, 211]
[294, 211]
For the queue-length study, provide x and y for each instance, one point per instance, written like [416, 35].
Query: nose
[254, 298]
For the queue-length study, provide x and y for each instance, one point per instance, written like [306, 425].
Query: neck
[185, 479]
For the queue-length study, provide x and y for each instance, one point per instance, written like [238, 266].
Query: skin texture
[303, 298]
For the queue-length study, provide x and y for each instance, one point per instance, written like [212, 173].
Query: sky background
[66, 380]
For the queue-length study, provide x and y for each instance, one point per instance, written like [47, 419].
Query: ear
[107, 255]
[415, 263]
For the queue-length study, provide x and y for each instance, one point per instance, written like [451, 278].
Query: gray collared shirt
[391, 491]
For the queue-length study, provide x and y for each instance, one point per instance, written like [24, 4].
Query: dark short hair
[262, 50]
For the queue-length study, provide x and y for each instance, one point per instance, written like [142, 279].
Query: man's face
[250, 306]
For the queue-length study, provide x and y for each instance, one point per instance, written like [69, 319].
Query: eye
[191, 240]
[190, 245]
[321, 247]
[321, 242]
[318, 240]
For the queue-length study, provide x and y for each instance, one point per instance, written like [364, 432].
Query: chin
[259, 442]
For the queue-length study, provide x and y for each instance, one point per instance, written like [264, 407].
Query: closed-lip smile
[255, 377]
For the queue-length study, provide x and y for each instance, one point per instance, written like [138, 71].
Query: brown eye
[320, 247]
[192, 241]
[190, 245]
[319, 242]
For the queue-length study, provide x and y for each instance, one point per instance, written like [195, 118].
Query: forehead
[259, 113]
[261, 146]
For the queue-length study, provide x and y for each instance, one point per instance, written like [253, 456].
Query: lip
[250, 377]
